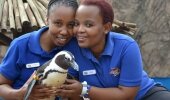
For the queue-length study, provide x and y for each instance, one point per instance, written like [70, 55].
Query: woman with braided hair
[28, 52]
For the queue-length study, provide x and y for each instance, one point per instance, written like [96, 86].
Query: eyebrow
[57, 20]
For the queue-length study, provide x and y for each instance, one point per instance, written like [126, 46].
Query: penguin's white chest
[54, 79]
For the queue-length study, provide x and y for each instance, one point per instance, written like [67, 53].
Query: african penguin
[53, 72]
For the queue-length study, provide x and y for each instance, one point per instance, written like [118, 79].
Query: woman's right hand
[38, 91]
[41, 92]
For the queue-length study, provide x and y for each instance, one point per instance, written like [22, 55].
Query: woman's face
[61, 21]
[89, 28]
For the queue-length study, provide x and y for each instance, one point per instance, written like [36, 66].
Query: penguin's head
[65, 59]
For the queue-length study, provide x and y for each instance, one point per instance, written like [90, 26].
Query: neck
[98, 49]
[46, 45]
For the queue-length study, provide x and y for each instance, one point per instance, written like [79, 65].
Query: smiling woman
[28, 52]
[110, 64]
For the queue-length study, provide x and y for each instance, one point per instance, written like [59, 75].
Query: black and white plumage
[53, 72]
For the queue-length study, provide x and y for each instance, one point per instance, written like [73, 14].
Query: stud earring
[106, 32]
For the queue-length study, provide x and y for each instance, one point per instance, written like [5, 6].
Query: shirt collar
[109, 47]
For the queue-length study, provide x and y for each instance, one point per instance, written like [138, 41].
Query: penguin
[53, 72]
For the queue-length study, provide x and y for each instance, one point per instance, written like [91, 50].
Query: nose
[81, 28]
[64, 30]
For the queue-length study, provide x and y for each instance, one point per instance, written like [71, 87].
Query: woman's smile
[81, 38]
[61, 39]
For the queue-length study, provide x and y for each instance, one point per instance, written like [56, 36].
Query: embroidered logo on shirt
[89, 72]
[115, 71]
[32, 65]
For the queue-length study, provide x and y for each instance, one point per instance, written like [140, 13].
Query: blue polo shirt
[25, 55]
[119, 64]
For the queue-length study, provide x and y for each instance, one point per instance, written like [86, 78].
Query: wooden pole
[42, 13]
[42, 7]
[17, 17]
[11, 16]
[23, 15]
[31, 16]
[120, 23]
[44, 2]
[36, 13]
[1, 9]
[123, 29]
[4, 17]
[3, 50]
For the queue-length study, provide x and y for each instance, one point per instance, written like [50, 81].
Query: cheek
[96, 34]
[71, 32]
[53, 33]
[53, 30]
[75, 30]
[95, 38]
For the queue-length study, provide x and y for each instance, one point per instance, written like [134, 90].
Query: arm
[8, 72]
[74, 88]
[120, 93]
[7, 92]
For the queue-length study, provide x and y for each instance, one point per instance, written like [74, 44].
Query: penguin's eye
[66, 58]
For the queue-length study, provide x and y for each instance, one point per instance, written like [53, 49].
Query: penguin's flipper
[41, 69]
[29, 89]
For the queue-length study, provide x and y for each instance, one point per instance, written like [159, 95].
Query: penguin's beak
[74, 65]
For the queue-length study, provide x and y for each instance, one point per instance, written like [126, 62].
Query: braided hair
[68, 3]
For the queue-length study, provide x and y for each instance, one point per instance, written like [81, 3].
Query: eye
[66, 58]
[88, 24]
[58, 24]
[76, 23]
[71, 25]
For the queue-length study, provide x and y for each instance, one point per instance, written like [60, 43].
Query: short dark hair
[69, 3]
[106, 9]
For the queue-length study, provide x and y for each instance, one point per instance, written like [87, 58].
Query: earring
[106, 32]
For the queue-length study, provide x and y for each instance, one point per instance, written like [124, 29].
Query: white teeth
[61, 37]
[81, 38]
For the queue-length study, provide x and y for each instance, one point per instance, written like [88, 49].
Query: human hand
[41, 92]
[38, 91]
[72, 88]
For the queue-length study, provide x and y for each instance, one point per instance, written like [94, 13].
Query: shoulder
[120, 37]
[122, 42]
[28, 37]
[22, 40]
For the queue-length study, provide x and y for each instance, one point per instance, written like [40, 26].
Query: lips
[81, 38]
[61, 39]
